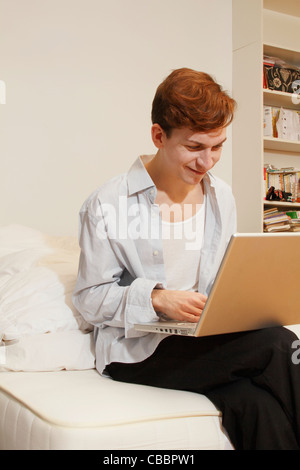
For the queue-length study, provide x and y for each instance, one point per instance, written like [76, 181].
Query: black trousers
[250, 377]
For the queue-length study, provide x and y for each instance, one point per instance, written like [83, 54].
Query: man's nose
[205, 160]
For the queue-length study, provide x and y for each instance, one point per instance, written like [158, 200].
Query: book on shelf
[294, 215]
[294, 220]
[281, 221]
[295, 228]
[271, 115]
[278, 228]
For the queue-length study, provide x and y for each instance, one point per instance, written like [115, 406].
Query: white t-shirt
[182, 242]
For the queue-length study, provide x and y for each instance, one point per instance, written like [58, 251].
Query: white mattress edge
[143, 419]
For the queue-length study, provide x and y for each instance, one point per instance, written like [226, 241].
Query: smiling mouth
[196, 172]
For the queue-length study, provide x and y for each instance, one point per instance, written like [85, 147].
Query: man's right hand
[179, 305]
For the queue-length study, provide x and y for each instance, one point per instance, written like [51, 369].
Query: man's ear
[158, 136]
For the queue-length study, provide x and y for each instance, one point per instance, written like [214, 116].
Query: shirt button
[155, 253]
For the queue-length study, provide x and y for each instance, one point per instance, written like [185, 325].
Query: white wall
[80, 77]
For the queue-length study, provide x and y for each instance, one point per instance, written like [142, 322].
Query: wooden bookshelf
[281, 149]
[281, 99]
[260, 28]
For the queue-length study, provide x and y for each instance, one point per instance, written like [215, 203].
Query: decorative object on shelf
[282, 123]
[277, 195]
[280, 76]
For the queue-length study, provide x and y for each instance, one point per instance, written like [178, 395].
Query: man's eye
[217, 147]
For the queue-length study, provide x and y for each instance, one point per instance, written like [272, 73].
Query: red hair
[191, 99]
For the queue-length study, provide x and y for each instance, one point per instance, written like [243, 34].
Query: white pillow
[17, 238]
[37, 277]
[63, 350]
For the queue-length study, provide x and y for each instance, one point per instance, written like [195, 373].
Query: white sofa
[51, 396]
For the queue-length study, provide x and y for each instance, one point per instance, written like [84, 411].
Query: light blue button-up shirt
[121, 259]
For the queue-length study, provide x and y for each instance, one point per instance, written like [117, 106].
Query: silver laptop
[257, 286]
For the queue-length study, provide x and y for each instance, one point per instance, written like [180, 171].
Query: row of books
[283, 179]
[281, 221]
[281, 123]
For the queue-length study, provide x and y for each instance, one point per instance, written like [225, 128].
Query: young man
[151, 244]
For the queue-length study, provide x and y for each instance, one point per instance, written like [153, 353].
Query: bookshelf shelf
[281, 99]
[289, 55]
[282, 205]
[283, 145]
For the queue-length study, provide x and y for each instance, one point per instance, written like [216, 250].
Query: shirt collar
[138, 177]
[209, 180]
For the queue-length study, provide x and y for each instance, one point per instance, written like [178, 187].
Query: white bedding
[69, 350]
[40, 330]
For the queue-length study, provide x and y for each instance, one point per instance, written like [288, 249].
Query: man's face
[190, 155]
